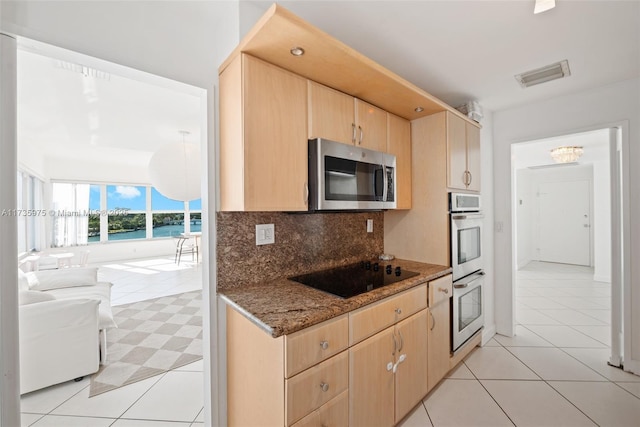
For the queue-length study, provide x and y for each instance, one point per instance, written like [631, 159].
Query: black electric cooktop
[354, 279]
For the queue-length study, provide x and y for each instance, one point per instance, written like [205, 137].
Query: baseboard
[605, 279]
[487, 333]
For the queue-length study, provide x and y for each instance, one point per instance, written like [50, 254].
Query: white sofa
[64, 318]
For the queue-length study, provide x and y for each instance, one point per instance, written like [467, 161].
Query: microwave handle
[385, 183]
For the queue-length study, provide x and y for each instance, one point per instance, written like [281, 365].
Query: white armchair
[58, 340]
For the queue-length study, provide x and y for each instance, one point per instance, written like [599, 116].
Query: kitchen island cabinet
[263, 127]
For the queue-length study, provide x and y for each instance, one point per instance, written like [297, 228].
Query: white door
[564, 222]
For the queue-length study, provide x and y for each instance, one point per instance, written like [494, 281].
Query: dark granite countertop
[281, 307]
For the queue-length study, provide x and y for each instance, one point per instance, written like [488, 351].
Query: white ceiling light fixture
[545, 74]
[543, 6]
[174, 170]
[567, 153]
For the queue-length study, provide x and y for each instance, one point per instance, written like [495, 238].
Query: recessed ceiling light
[544, 74]
[297, 51]
[419, 109]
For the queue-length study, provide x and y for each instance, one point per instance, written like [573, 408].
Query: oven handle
[467, 216]
[474, 276]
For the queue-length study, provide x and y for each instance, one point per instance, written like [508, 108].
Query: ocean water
[162, 231]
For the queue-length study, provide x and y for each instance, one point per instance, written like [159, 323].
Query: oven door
[468, 308]
[466, 244]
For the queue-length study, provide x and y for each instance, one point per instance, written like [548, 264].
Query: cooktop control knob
[367, 265]
[376, 267]
[388, 269]
[398, 271]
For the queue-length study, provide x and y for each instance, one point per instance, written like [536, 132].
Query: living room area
[110, 258]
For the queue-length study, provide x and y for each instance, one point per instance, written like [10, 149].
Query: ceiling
[107, 119]
[537, 153]
[455, 50]
[471, 50]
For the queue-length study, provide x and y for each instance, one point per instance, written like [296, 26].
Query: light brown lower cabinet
[334, 413]
[388, 373]
[439, 333]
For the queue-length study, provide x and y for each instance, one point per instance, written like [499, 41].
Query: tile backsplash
[303, 243]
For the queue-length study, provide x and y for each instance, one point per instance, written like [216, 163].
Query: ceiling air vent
[544, 74]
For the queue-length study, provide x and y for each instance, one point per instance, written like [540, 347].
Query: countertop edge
[266, 328]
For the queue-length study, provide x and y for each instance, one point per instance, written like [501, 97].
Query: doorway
[151, 257]
[563, 234]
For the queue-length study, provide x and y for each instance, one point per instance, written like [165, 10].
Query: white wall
[597, 108]
[602, 217]
[487, 191]
[526, 208]
[184, 41]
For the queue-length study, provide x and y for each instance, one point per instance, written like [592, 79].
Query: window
[94, 216]
[168, 215]
[70, 214]
[127, 212]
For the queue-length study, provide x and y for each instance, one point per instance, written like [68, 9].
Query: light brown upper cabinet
[399, 144]
[263, 144]
[339, 117]
[463, 154]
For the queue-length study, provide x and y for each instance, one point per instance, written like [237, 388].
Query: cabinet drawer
[368, 320]
[315, 344]
[334, 413]
[440, 290]
[316, 386]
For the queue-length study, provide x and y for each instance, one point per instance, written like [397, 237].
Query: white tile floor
[552, 373]
[173, 399]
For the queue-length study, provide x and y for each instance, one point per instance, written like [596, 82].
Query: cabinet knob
[324, 386]
[398, 311]
[324, 345]
[445, 290]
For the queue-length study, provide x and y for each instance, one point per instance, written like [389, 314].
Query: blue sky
[133, 197]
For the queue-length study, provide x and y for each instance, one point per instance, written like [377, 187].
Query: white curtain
[70, 205]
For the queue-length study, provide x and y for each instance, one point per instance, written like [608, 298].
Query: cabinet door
[372, 126]
[370, 383]
[331, 114]
[439, 344]
[399, 144]
[456, 152]
[473, 156]
[275, 147]
[411, 375]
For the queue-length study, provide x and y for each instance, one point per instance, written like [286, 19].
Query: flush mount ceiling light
[543, 6]
[567, 154]
[297, 51]
[544, 74]
[419, 109]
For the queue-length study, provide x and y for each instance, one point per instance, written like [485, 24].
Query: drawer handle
[324, 345]
[445, 290]
[324, 386]
[398, 311]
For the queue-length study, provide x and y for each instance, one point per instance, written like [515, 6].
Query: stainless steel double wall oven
[466, 261]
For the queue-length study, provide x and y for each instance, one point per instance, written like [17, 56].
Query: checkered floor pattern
[152, 337]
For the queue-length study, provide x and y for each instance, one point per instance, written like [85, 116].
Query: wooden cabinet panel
[334, 413]
[456, 152]
[399, 144]
[439, 344]
[263, 150]
[368, 320]
[315, 344]
[331, 114]
[314, 387]
[411, 374]
[440, 290]
[371, 125]
[473, 156]
[371, 384]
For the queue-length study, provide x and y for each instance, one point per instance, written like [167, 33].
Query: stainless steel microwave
[347, 177]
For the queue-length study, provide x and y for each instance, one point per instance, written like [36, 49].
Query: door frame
[214, 390]
[620, 239]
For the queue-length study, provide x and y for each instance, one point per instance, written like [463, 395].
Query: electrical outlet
[265, 234]
[369, 226]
